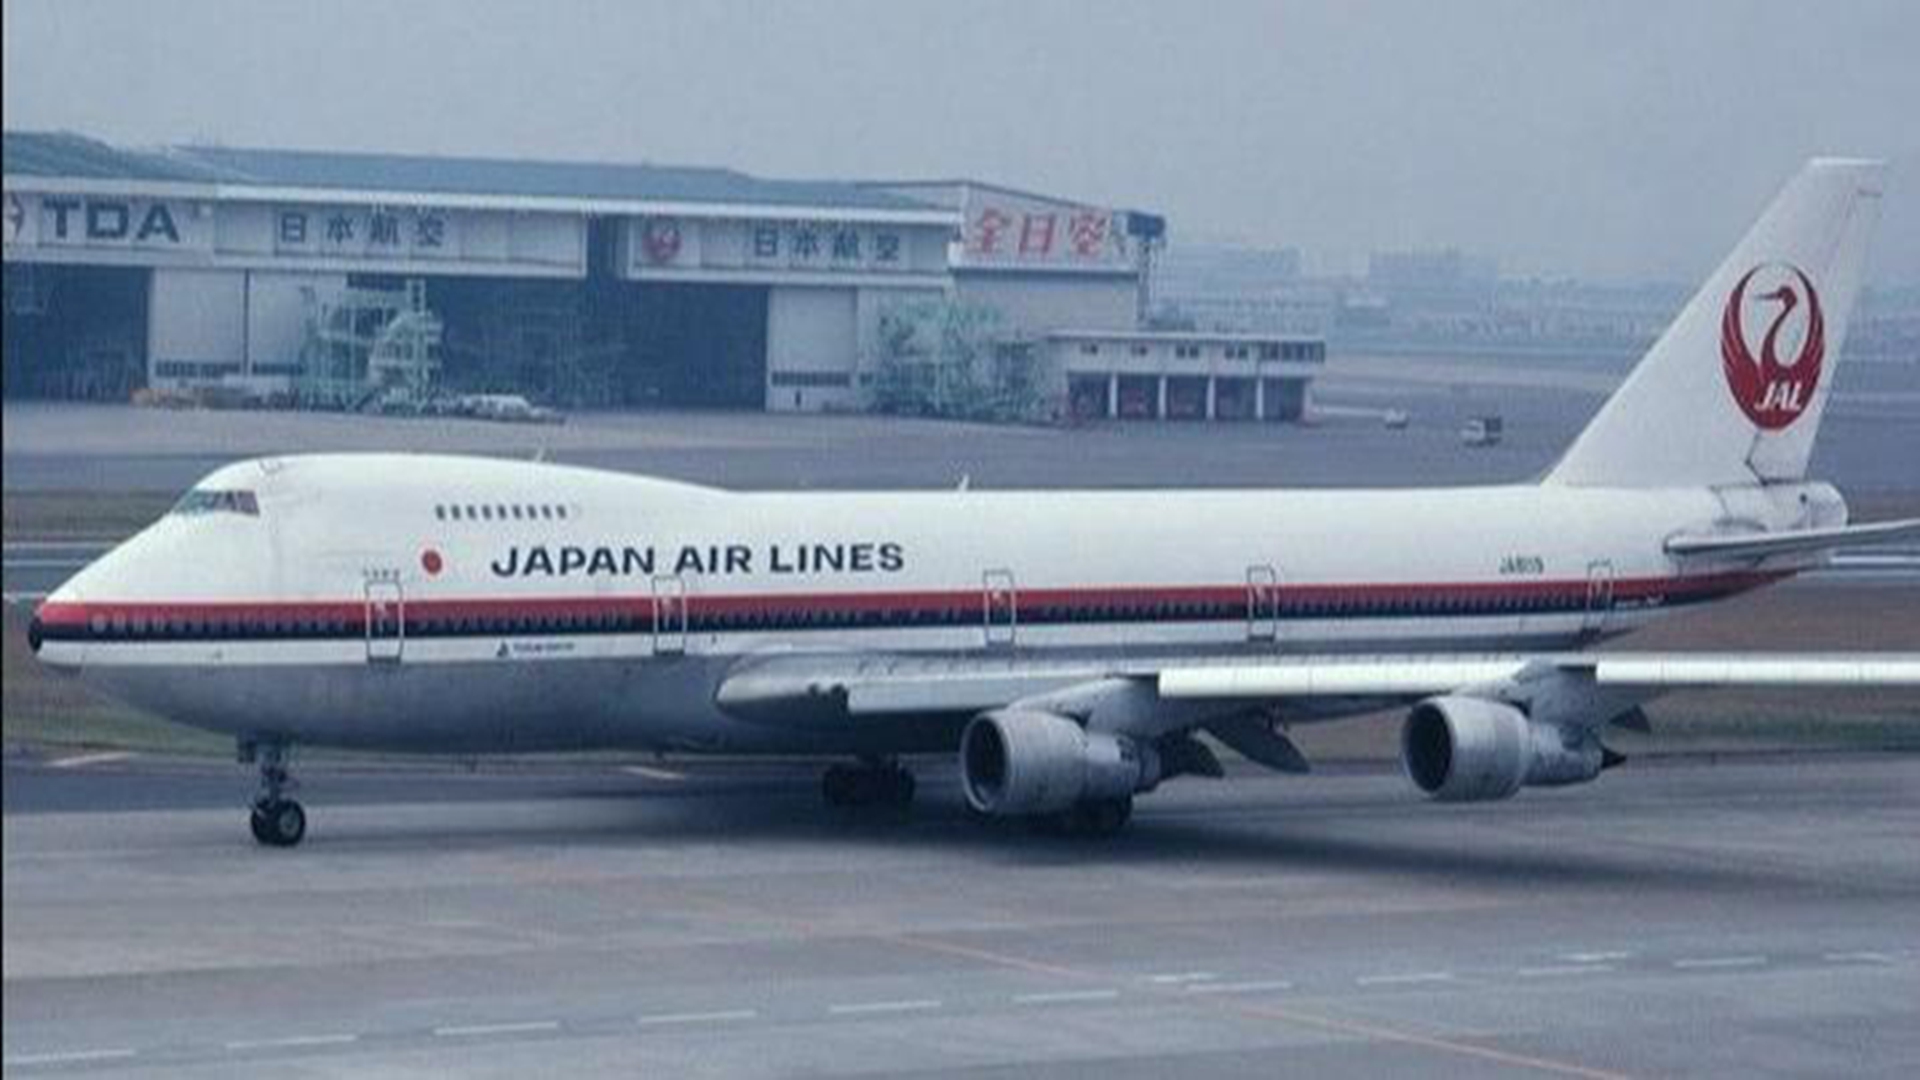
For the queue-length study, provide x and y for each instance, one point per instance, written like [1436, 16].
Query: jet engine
[1468, 749]
[1023, 761]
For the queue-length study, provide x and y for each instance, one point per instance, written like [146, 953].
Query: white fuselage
[451, 603]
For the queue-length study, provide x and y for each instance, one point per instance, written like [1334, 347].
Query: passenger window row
[593, 622]
[638, 617]
[122, 626]
[500, 512]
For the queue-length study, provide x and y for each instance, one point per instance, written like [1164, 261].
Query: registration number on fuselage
[1523, 565]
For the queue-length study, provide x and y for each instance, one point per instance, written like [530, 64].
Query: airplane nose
[54, 624]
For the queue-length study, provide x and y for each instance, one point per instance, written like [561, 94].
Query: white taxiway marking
[1405, 979]
[1720, 962]
[1240, 987]
[866, 1007]
[1594, 957]
[718, 1016]
[522, 1027]
[1057, 997]
[654, 774]
[293, 1041]
[81, 761]
[1182, 977]
[1858, 958]
[1553, 970]
[87, 543]
[66, 1057]
[42, 564]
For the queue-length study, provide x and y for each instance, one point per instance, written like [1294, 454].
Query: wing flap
[829, 689]
[1257, 740]
[1338, 677]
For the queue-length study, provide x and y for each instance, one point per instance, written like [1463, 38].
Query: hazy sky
[1609, 139]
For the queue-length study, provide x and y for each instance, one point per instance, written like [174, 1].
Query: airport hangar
[186, 269]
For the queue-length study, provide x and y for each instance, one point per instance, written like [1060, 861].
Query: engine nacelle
[1467, 749]
[1021, 761]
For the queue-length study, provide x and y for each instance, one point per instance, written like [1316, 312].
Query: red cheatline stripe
[967, 600]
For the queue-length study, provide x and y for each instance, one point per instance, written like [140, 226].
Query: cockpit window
[210, 501]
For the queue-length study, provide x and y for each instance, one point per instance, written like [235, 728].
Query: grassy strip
[40, 708]
[87, 514]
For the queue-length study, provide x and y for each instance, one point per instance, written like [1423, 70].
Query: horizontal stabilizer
[1796, 541]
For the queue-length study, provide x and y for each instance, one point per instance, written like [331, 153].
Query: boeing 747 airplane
[1068, 646]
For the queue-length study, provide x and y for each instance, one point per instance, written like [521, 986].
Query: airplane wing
[1413, 676]
[1247, 702]
[1793, 542]
[800, 688]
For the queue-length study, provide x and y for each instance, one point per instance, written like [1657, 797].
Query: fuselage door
[1000, 603]
[669, 615]
[386, 619]
[1599, 597]
[1263, 603]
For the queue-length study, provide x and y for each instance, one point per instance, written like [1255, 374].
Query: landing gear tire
[867, 785]
[276, 821]
[279, 823]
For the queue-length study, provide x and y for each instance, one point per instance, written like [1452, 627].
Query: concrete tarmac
[1868, 441]
[1754, 916]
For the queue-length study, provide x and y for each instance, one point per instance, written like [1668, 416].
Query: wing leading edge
[1413, 675]
[803, 688]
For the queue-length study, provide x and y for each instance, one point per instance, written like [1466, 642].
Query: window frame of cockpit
[200, 501]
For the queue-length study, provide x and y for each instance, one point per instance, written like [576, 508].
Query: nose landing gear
[277, 820]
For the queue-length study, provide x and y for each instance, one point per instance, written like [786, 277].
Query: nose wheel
[277, 820]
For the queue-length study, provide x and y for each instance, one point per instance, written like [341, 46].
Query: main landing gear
[870, 783]
[277, 820]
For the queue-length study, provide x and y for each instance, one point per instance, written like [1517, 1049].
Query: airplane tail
[1733, 392]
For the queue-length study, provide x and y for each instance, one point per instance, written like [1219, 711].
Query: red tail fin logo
[1773, 393]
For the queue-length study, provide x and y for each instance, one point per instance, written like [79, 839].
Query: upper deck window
[211, 501]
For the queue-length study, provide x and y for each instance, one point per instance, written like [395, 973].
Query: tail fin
[1733, 392]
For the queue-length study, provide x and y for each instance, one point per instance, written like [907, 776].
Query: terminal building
[306, 275]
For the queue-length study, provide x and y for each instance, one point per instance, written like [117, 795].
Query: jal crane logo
[661, 239]
[1780, 302]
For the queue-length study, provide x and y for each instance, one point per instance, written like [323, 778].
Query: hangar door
[75, 332]
[696, 344]
[812, 341]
